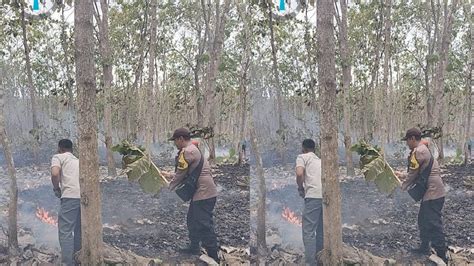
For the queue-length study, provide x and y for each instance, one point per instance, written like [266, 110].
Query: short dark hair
[65, 144]
[309, 144]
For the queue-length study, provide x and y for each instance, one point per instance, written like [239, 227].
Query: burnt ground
[387, 227]
[155, 226]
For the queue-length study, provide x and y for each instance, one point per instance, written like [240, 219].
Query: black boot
[193, 249]
[441, 252]
[423, 249]
[213, 253]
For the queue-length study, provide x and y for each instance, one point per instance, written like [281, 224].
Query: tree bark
[443, 50]
[67, 64]
[332, 254]
[151, 75]
[386, 71]
[132, 133]
[468, 94]
[346, 86]
[261, 212]
[12, 205]
[215, 46]
[35, 130]
[91, 253]
[245, 64]
[278, 89]
[108, 79]
[374, 82]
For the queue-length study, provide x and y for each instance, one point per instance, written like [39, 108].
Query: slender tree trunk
[373, 85]
[468, 94]
[12, 205]
[67, 63]
[108, 79]
[346, 86]
[151, 73]
[332, 254]
[35, 130]
[443, 50]
[261, 212]
[137, 79]
[386, 71]
[245, 64]
[278, 90]
[215, 46]
[91, 253]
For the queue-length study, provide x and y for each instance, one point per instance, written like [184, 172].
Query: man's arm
[417, 160]
[55, 176]
[185, 159]
[300, 176]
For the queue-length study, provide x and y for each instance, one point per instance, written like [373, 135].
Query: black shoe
[192, 249]
[213, 253]
[442, 254]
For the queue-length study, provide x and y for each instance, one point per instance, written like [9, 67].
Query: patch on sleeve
[414, 162]
[182, 164]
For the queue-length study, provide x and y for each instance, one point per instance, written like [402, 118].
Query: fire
[45, 217]
[290, 216]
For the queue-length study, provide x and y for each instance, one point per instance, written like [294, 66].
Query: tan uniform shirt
[188, 159]
[69, 183]
[419, 160]
[312, 174]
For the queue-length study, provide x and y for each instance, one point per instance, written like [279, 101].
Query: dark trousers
[312, 229]
[430, 224]
[69, 227]
[200, 223]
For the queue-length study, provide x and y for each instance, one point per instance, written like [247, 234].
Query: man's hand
[57, 192]
[166, 174]
[301, 192]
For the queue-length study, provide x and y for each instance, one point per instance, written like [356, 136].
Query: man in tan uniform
[430, 222]
[308, 179]
[65, 179]
[200, 220]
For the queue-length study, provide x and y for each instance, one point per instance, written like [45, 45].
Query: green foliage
[375, 168]
[139, 168]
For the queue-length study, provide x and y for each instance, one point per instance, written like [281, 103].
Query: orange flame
[290, 216]
[45, 217]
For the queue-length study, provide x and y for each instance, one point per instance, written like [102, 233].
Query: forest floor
[150, 226]
[384, 226]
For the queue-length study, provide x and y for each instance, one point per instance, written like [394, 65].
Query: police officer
[430, 222]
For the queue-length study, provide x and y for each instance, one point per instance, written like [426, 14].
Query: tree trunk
[215, 45]
[372, 89]
[332, 254]
[91, 253]
[245, 64]
[278, 90]
[35, 130]
[67, 63]
[468, 104]
[151, 75]
[346, 86]
[108, 79]
[386, 71]
[261, 212]
[443, 50]
[12, 206]
[132, 133]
